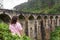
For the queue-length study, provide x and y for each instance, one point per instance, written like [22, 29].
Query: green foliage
[5, 34]
[41, 6]
[32, 10]
[1, 20]
[56, 34]
[54, 10]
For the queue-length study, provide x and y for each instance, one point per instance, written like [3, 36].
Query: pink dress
[15, 28]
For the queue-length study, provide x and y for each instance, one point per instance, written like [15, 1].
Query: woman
[15, 27]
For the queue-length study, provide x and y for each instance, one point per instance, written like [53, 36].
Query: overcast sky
[9, 4]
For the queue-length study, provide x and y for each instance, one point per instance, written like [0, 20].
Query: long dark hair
[14, 20]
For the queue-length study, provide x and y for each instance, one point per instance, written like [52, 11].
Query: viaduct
[36, 26]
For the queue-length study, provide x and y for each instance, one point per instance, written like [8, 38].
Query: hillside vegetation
[54, 10]
[39, 6]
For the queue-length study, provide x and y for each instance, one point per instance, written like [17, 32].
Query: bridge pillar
[37, 27]
[53, 24]
[58, 21]
[47, 30]
[39, 30]
[43, 29]
[23, 25]
[31, 25]
[26, 26]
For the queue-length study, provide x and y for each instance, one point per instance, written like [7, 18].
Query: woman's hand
[21, 32]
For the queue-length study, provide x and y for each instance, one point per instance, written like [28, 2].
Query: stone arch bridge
[36, 26]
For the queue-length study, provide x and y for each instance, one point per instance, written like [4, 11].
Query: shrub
[56, 34]
[6, 35]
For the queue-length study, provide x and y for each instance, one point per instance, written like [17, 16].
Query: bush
[6, 35]
[54, 10]
[56, 34]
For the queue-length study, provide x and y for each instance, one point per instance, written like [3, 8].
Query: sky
[9, 4]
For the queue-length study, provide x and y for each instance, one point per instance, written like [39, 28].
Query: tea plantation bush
[56, 34]
[5, 34]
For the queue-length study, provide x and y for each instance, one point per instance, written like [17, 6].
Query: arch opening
[51, 17]
[56, 20]
[21, 20]
[21, 17]
[31, 18]
[56, 17]
[45, 17]
[39, 17]
[24, 24]
[42, 31]
[5, 18]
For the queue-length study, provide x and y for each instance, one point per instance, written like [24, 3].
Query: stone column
[47, 31]
[43, 28]
[26, 26]
[49, 24]
[23, 25]
[58, 21]
[31, 29]
[53, 24]
[36, 28]
[39, 30]
[35, 31]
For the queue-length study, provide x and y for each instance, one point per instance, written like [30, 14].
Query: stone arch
[38, 27]
[31, 17]
[51, 21]
[5, 18]
[39, 17]
[31, 23]
[22, 21]
[21, 17]
[45, 17]
[10, 15]
[6, 14]
[51, 17]
[45, 20]
[56, 19]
